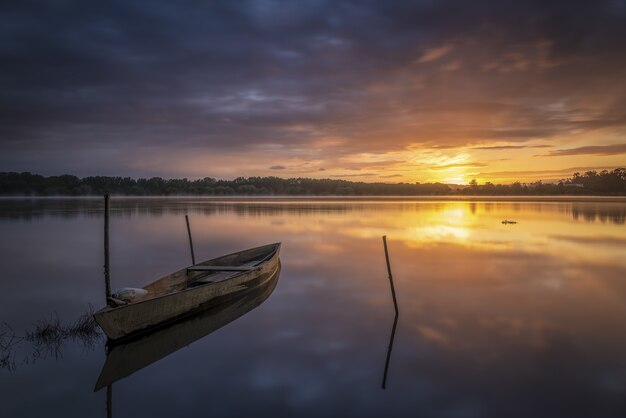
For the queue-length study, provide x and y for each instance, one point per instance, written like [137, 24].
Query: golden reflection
[540, 228]
[492, 305]
[470, 289]
[556, 228]
[438, 233]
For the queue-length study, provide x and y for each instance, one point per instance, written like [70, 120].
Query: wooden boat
[189, 291]
[128, 357]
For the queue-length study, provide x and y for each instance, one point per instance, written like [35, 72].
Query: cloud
[614, 149]
[433, 54]
[525, 57]
[123, 80]
[553, 173]
[453, 66]
[356, 175]
[458, 165]
[505, 147]
[278, 167]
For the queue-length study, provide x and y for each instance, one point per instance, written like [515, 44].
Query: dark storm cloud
[82, 78]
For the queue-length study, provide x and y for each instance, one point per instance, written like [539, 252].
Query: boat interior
[210, 271]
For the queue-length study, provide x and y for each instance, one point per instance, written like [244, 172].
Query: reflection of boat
[126, 358]
[189, 290]
[507, 222]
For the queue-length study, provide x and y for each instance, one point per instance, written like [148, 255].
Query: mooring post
[395, 319]
[393, 290]
[193, 257]
[107, 278]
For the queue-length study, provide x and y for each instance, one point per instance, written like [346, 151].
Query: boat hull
[130, 356]
[132, 319]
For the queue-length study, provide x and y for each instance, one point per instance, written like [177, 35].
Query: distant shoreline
[591, 183]
[326, 198]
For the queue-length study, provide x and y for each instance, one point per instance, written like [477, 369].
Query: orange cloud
[433, 54]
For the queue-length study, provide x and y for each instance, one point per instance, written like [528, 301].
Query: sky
[412, 91]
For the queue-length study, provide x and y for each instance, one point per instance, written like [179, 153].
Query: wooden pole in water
[193, 257]
[107, 278]
[395, 320]
[393, 290]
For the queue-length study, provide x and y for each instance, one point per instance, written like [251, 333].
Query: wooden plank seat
[219, 273]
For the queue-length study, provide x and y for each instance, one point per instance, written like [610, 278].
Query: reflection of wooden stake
[107, 278]
[193, 257]
[389, 349]
[109, 401]
[393, 291]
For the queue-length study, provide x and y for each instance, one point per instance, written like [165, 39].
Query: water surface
[496, 320]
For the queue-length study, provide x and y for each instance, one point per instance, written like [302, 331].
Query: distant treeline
[590, 183]
[27, 184]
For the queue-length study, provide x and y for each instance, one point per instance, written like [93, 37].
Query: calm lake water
[496, 320]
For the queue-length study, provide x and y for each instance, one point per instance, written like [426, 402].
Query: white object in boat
[128, 294]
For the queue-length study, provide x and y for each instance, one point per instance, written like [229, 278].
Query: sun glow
[458, 179]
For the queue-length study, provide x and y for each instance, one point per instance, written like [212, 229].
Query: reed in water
[46, 339]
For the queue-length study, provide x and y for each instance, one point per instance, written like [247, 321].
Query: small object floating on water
[187, 291]
[505, 222]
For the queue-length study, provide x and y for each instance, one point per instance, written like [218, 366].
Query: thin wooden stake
[107, 278]
[395, 319]
[193, 257]
[393, 290]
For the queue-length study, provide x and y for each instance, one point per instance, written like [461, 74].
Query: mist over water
[496, 319]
